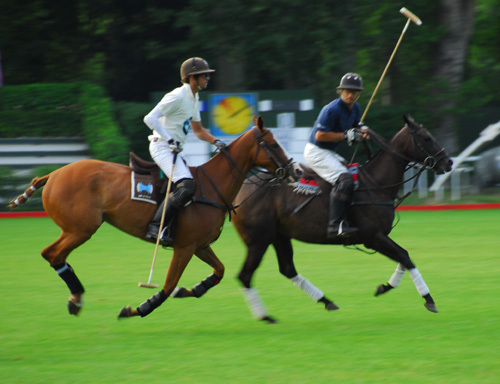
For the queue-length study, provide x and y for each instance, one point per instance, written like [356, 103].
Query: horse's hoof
[125, 312]
[382, 288]
[74, 308]
[331, 306]
[431, 307]
[269, 320]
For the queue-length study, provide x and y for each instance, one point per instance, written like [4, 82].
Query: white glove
[354, 135]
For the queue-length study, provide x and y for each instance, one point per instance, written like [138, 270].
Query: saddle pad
[143, 188]
[306, 186]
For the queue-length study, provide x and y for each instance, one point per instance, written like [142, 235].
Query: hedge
[54, 110]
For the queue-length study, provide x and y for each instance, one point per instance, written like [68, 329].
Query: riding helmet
[194, 66]
[351, 81]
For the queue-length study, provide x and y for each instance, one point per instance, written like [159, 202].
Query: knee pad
[344, 187]
[185, 190]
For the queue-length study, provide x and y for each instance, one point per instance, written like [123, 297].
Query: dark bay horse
[80, 196]
[274, 214]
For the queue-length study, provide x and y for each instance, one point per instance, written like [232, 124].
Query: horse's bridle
[281, 170]
[429, 162]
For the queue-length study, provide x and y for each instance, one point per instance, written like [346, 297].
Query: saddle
[142, 166]
[147, 180]
[312, 184]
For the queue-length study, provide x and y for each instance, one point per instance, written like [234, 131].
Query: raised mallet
[411, 17]
[149, 284]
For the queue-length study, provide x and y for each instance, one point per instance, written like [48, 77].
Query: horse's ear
[410, 122]
[259, 122]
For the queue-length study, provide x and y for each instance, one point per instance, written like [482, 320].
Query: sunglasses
[205, 76]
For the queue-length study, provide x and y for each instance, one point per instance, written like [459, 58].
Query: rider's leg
[184, 191]
[340, 198]
[154, 225]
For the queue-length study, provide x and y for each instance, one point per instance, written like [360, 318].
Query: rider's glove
[363, 128]
[219, 144]
[354, 135]
[175, 147]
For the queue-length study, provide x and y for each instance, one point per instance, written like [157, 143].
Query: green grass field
[387, 339]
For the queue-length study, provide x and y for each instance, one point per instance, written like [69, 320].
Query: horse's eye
[275, 146]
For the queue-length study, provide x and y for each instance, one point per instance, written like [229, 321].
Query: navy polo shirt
[335, 117]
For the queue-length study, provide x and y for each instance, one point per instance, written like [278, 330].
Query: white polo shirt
[171, 117]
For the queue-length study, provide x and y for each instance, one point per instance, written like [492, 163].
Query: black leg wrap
[151, 304]
[68, 275]
[200, 289]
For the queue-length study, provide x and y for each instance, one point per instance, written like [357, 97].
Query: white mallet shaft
[169, 185]
[411, 17]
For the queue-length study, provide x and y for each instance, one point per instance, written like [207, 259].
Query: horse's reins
[280, 174]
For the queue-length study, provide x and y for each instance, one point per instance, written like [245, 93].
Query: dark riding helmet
[194, 66]
[351, 81]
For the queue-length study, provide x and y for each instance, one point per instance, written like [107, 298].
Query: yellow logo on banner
[232, 114]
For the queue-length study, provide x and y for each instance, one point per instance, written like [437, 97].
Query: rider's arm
[201, 132]
[329, 136]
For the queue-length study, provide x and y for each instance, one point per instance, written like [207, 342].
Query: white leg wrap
[254, 302]
[397, 276]
[307, 287]
[419, 282]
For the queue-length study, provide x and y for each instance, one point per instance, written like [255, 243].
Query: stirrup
[340, 230]
[345, 230]
[166, 239]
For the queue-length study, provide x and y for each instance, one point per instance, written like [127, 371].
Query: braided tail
[36, 183]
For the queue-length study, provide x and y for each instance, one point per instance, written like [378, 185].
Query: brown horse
[80, 196]
[275, 213]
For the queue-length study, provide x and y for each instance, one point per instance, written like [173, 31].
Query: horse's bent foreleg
[284, 252]
[393, 282]
[208, 256]
[386, 246]
[178, 264]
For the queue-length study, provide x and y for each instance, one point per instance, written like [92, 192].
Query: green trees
[133, 48]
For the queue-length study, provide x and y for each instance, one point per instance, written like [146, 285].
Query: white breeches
[161, 154]
[327, 164]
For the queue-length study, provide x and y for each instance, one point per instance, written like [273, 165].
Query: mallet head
[148, 285]
[411, 16]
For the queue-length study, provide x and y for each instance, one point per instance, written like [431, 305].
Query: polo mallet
[411, 17]
[149, 284]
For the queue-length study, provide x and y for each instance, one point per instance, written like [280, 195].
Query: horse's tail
[36, 183]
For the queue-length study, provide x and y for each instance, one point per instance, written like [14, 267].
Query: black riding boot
[154, 225]
[339, 201]
[184, 191]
